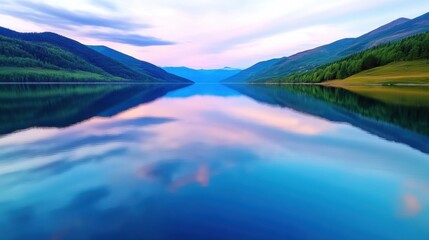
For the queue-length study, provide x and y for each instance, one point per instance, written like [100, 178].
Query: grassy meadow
[409, 72]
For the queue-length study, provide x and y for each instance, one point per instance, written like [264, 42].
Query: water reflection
[25, 106]
[381, 114]
[197, 165]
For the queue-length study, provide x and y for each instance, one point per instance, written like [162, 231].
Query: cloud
[53, 16]
[113, 26]
[130, 39]
[276, 26]
[208, 34]
[104, 4]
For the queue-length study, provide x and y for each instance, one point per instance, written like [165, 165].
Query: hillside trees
[412, 48]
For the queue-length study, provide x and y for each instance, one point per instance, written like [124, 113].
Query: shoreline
[92, 83]
[328, 84]
[325, 84]
[378, 85]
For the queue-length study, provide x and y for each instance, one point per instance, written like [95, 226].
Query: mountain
[414, 48]
[203, 75]
[19, 53]
[24, 61]
[106, 64]
[23, 56]
[251, 72]
[310, 59]
[138, 66]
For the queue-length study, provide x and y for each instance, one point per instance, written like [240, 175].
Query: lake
[213, 162]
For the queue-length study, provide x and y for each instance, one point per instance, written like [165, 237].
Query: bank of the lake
[397, 73]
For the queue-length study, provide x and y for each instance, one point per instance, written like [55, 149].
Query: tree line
[408, 49]
[19, 53]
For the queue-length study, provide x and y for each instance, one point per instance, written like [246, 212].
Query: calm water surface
[212, 162]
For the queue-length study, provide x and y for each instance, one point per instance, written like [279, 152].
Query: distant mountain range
[61, 56]
[310, 59]
[203, 75]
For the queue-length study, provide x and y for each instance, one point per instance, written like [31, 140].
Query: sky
[206, 34]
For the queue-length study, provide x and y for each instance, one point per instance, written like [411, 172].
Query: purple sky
[206, 34]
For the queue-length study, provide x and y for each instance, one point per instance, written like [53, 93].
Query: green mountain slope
[409, 49]
[138, 66]
[310, 59]
[64, 59]
[19, 53]
[252, 72]
[106, 64]
[34, 61]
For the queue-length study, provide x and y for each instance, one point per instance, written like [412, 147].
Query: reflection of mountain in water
[404, 124]
[26, 106]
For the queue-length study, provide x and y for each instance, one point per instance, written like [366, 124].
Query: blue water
[206, 162]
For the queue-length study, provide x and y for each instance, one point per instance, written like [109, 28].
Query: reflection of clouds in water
[64, 165]
[29, 163]
[71, 142]
[27, 136]
[61, 143]
[197, 107]
[415, 198]
[202, 120]
[274, 132]
[203, 175]
[412, 205]
[196, 129]
[162, 172]
[277, 118]
[136, 158]
[174, 174]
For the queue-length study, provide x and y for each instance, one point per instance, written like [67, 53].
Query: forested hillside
[24, 61]
[316, 57]
[26, 57]
[412, 48]
[19, 53]
[106, 64]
